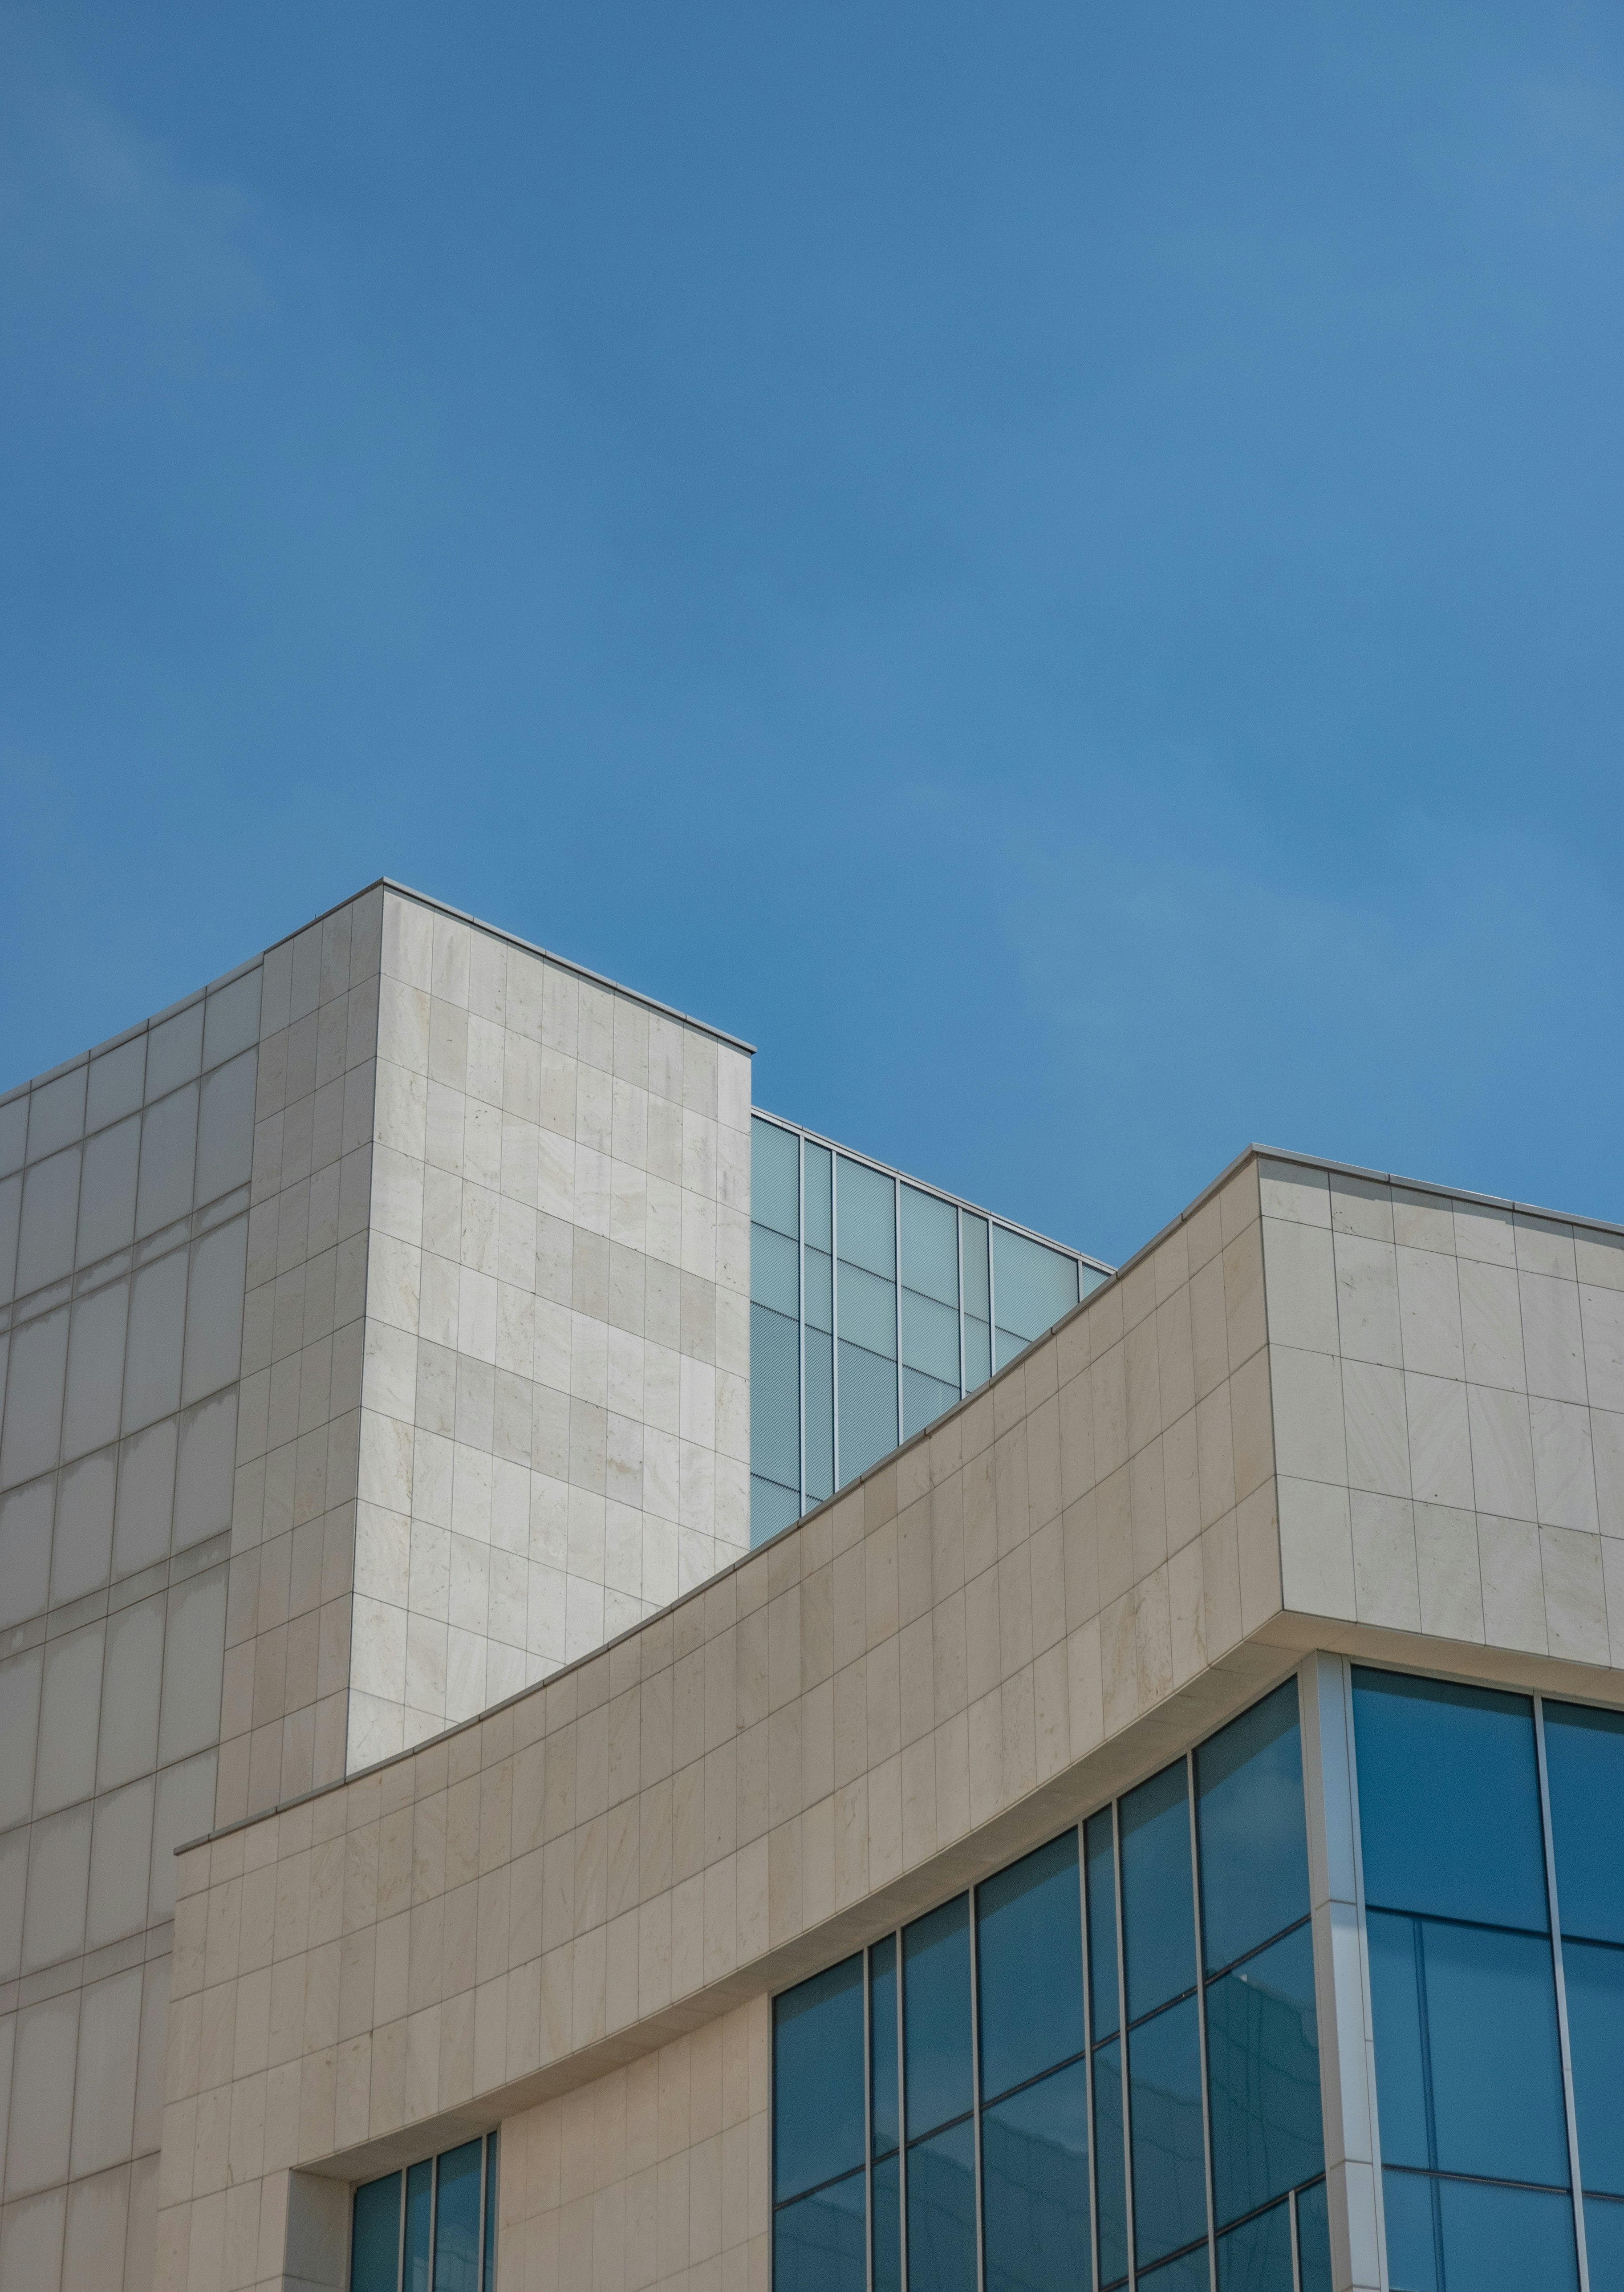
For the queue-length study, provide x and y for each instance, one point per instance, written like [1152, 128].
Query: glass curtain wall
[876, 1305]
[989, 2133]
[1492, 1829]
[430, 2229]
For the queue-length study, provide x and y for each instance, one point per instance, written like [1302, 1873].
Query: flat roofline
[530, 947]
[929, 1186]
[422, 900]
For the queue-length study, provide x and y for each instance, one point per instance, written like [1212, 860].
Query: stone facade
[566, 1918]
[373, 1336]
[555, 1426]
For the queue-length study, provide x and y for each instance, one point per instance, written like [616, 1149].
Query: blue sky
[1059, 568]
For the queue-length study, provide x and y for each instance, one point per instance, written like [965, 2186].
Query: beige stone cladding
[284, 1705]
[660, 2172]
[1449, 1401]
[124, 1216]
[555, 1413]
[1075, 1569]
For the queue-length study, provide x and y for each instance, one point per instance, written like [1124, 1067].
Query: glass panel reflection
[374, 2243]
[1032, 1287]
[1313, 2238]
[1189, 2273]
[1449, 1800]
[1604, 2242]
[1101, 1854]
[1165, 2117]
[1158, 1897]
[1584, 1758]
[818, 2079]
[936, 2016]
[1467, 2067]
[457, 2219]
[882, 2106]
[887, 2202]
[818, 2242]
[1263, 2057]
[1254, 1838]
[941, 2212]
[1443, 2234]
[1035, 2187]
[1111, 2174]
[1030, 1916]
[1257, 2256]
[419, 2212]
[1594, 1976]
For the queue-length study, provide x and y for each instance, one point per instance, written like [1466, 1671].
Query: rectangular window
[1017, 2105]
[1468, 2066]
[930, 1309]
[819, 2180]
[1035, 2186]
[817, 1275]
[1032, 1286]
[775, 1329]
[866, 1304]
[1028, 1916]
[973, 1242]
[431, 2229]
[1157, 1893]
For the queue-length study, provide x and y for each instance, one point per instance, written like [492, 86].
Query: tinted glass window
[818, 2243]
[1262, 2065]
[492, 2207]
[1035, 2187]
[1486, 2236]
[818, 2079]
[868, 1398]
[1032, 1287]
[775, 1177]
[1256, 2257]
[1158, 1898]
[457, 2220]
[1468, 2075]
[1584, 1758]
[1030, 1942]
[375, 2247]
[936, 2016]
[419, 2213]
[775, 1397]
[930, 1247]
[1101, 1923]
[1604, 2240]
[941, 2212]
[867, 1202]
[819, 1413]
[1110, 2169]
[1254, 1837]
[1449, 1800]
[818, 1163]
[1163, 2057]
[1313, 2238]
[882, 2035]
[886, 2186]
[1594, 1976]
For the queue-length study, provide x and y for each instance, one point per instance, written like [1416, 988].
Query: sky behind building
[1059, 571]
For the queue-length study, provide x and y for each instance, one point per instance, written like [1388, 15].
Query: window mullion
[1127, 2114]
[1562, 1999]
[1200, 2015]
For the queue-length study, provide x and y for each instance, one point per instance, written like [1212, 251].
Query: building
[1161, 1824]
